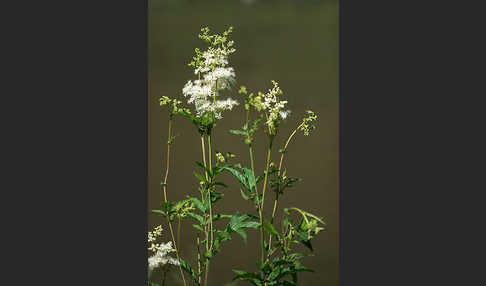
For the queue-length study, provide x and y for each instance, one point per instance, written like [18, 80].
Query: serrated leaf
[238, 175]
[199, 205]
[250, 224]
[238, 132]
[250, 178]
[197, 217]
[198, 227]
[220, 184]
[188, 269]
[217, 217]
[270, 228]
[200, 177]
[244, 195]
[242, 233]
[206, 170]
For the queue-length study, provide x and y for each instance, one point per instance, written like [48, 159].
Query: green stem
[209, 248]
[205, 217]
[263, 197]
[278, 174]
[179, 229]
[198, 260]
[209, 194]
[165, 199]
[204, 155]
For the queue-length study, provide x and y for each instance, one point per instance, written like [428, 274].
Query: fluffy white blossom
[214, 75]
[285, 114]
[271, 103]
[220, 76]
[161, 256]
[197, 91]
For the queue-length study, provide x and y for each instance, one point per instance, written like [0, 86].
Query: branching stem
[165, 198]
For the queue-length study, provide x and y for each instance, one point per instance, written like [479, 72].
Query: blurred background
[294, 42]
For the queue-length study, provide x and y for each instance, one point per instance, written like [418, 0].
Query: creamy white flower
[159, 259]
[161, 256]
[220, 78]
[197, 90]
[215, 57]
[214, 75]
[284, 114]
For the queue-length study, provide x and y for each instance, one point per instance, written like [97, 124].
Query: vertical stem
[177, 252]
[205, 225]
[179, 230]
[168, 160]
[210, 246]
[209, 194]
[278, 174]
[198, 260]
[262, 237]
[263, 198]
[206, 274]
[204, 155]
[165, 198]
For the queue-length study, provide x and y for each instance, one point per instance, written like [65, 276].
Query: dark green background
[293, 42]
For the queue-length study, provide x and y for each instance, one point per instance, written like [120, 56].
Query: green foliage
[188, 269]
[247, 179]
[280, 264]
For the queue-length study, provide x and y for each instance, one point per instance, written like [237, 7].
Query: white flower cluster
[161, 250]
[274, 106]
[214, 76]
[161, 256]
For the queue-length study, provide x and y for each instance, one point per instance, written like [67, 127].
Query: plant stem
[209, 194]
[198, 260]
[177, 253]
[262, 238]
[263, 197]
[165, 197]
[210, 214]
[179, 229]
[278, 174]
[206, 274]
[205, 217]
[250, 147]
[204, 155]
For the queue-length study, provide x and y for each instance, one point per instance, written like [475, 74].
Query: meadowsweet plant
[207, 98]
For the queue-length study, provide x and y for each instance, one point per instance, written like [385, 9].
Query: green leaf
[198, 227]
[250, 178]
[200, 177]
[251, 277]
[250, 224]
[204, 168]
[217, 217]
[188, 269]
[244, 195]
[237, 174]
[236, 220]
[220, 184]
[242, 233]
[270, 228]
[199, 205]
[158, 211]
[197, 217]
[238, 132]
